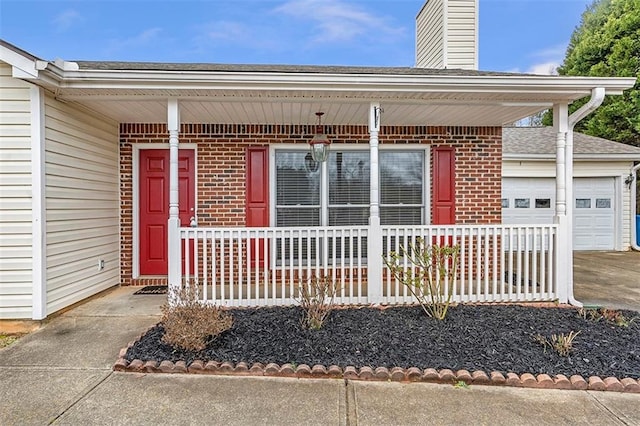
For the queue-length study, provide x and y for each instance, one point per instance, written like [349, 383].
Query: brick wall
[478, 170]
[221, 168]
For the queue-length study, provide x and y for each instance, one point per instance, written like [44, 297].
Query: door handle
[193, 220]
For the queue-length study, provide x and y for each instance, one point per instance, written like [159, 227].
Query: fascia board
[23, 67]
[337, 82]
[36, 71]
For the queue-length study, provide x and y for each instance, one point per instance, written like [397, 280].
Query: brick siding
[221, 168]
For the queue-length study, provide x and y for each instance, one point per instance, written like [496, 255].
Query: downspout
[634, 230]
[597, 96]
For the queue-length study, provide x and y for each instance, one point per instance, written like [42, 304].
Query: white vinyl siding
[446, 34]
[461, 34]
[82, 204]
[15, 193]
[430, 48]
[585, 169]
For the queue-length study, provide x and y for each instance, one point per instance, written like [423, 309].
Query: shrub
[189, 322]
[561, 343]
[610, 315]
[317, 299]
[430, 275]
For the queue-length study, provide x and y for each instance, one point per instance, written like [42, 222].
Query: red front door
[154, 204]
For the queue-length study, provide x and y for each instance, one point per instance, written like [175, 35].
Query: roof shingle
[542, 140]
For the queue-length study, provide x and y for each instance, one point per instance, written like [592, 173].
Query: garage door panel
[593, 219]
[603, 243]
[603, 223]
[581, 241]
[581, 223]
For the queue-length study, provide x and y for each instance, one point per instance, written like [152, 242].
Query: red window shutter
[257, 210]
[257, 186]
[444, 182]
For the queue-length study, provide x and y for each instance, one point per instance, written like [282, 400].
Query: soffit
[298, 107]
[293, 98]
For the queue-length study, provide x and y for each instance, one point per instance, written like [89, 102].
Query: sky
[514, 35]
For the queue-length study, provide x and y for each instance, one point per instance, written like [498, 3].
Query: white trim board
[38, 206]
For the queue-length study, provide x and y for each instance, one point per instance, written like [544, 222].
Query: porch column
[560, 125]
[374, 241]
[174, 246]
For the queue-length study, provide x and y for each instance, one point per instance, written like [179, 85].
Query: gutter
[597, 96]
[582, 157]
[634, 230]
[569, 88]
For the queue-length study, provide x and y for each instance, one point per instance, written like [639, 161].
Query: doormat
[153, 289]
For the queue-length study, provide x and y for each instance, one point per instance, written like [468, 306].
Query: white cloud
[337, 21]
[557, 51]
[65, 20]
[225, 34]
[227, 30]
[144, 38]
[300, 26]
[544, 68]
[548, 60]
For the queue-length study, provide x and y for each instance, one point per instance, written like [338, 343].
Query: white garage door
[532, 201]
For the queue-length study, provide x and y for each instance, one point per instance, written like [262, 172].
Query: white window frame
[324, 176]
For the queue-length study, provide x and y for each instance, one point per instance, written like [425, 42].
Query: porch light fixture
[320, 142]
[310, 164]
[629, 180]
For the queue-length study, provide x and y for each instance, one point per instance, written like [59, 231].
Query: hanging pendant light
[320, 142]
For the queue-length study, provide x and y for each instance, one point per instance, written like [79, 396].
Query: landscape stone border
[395, 374]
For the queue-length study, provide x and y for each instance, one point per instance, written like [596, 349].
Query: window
[349, 176]
[299, 188]
[543, 203]
[339, 195]
[297, 202]
[603, 203]
[505, 203]
[297, 191]
[583, 203]
[401, 187]
[522, 203]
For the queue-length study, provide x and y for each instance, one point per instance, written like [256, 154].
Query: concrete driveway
[610, 279]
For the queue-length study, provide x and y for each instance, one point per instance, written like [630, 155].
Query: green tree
[607, 44]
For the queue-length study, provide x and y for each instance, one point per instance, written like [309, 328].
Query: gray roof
[542, 141]
[267, 68]
[272, 68]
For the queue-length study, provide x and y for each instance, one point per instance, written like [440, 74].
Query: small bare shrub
[613, 316]
[317, 299]
[430, 275]
[189, 322]
[561, 343]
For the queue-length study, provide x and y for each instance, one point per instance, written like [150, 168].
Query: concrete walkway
[62, 375]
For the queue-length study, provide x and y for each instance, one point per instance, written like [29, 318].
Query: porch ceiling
[301, 111]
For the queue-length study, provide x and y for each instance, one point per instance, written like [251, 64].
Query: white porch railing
[265, 266]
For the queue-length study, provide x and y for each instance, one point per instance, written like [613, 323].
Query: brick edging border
[395, 374]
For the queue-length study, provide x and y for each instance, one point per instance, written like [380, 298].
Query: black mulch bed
[488, 338]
